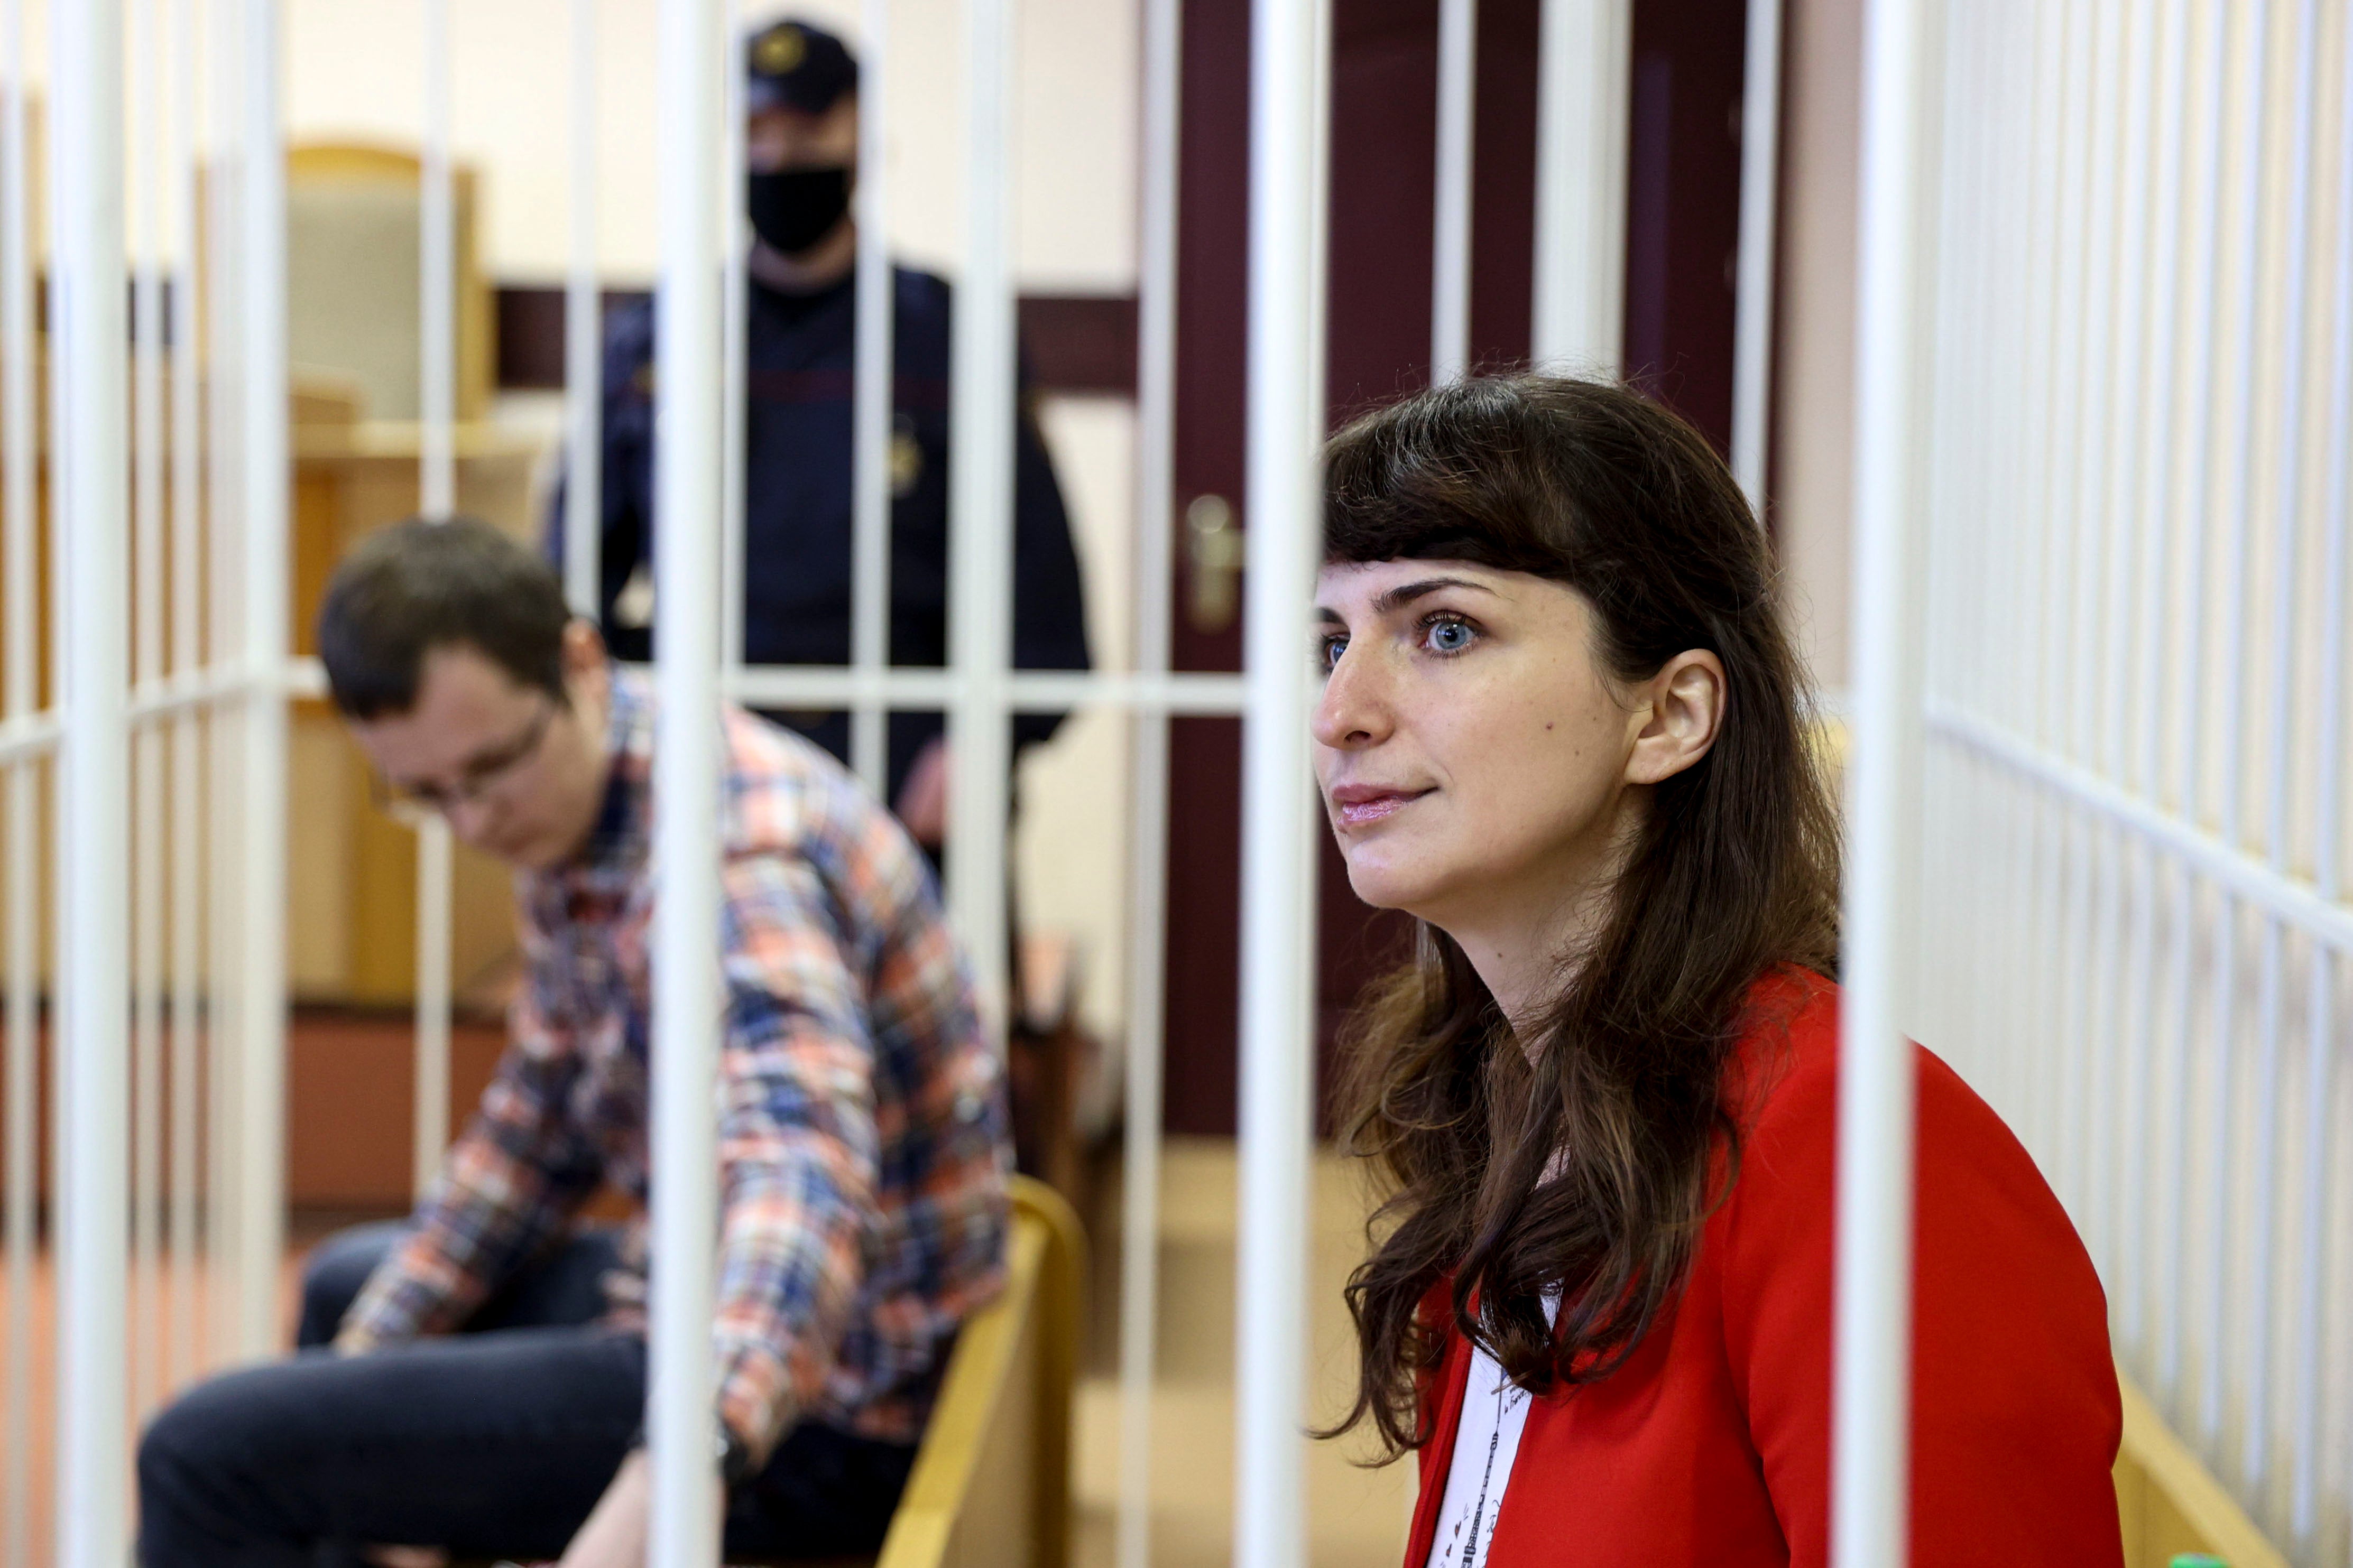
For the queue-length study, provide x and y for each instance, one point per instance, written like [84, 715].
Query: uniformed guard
[800, 154]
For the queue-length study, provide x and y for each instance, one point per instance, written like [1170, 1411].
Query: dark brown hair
[1579, 1160]
[417, 587]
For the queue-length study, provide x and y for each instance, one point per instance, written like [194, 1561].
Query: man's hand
[923, 804]
[615, 1533]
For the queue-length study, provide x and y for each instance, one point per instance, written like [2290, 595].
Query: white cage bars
[174, 526]
[2139, 478]
[158, 726]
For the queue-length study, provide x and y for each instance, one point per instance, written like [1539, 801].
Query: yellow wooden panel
[990, 1488]
[2168, 1503]
[352, 477]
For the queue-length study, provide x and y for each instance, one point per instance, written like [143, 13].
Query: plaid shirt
[862, 1134]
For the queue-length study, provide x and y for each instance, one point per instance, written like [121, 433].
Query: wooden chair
[353, 227]
[2168, 1503]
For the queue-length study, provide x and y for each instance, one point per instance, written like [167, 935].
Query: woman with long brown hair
[1562, 725]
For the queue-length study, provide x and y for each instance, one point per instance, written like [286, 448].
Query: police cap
[792, 65]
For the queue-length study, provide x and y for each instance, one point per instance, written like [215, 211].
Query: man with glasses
[472, 1381]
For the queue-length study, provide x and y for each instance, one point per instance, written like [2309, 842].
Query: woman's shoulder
[1979, 1189]
[1782, 1077]
[2014, 1391]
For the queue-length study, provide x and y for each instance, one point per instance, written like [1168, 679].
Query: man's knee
[212, 1464]
[334, 1274]
[190, 1448]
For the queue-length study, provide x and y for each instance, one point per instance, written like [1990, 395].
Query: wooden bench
[991, 1486]
[2170, 1503]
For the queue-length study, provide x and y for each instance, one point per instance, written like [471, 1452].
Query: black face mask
[792, 209]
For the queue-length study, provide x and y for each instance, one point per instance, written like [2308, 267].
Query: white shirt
[1494, 1409]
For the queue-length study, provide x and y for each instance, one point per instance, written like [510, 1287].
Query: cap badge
[779, 51]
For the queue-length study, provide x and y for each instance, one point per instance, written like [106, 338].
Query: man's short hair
[418, 586]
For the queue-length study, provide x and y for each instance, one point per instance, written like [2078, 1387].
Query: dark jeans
[491, 1443]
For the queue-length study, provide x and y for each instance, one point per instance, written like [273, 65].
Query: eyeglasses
[410, 802]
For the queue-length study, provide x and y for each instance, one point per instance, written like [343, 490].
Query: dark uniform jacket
[800, 354]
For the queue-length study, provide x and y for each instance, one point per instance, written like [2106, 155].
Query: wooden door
[1683, 213]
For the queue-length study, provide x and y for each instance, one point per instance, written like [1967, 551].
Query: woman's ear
[1686, 708]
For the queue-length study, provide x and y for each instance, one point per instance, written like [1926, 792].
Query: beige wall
[356, 71]
[1814, 392]
[353, 69]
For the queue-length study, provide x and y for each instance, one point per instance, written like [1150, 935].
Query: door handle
[1213, 556]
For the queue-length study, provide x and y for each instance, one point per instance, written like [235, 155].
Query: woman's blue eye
[1450, 636]
[1327, 653]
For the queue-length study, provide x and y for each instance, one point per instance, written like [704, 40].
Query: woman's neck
[1527, 941]
[1524, 960]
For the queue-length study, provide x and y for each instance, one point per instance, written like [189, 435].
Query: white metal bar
[89, 442]
[584, 337]
[437, 316]
[2073, 644]
[1947, 539]
[1154, 575]
[2205, 290]
[21, 873]
[2328, 826]
[735, 339]
[1754, 267]
[429, 1064]
[2020, 517]
[18, 693]
[2122, 356]
[2098, 924]
[1319, 256]
[2238, 486]
[35, 735]
[1584, 65]
[171, 696]
[436, 491]
[2060, 257]
[2162, 307]
[1871, 1420]
[1450, 271]
[186, 438]
[186, 1043]
[2238, 479]
[2287, 539]
[877, 297]
[2020, 428]
[1288, 44]
[147, 1068]
[2243, 877]
[2165, 244]
[19, 456]
[224, 349]
[813, 686]
[693, 54]
[261, 1224]
[146, 193]
[980, 516]
[19, 588]
[2117, 1070]
[1026, 691]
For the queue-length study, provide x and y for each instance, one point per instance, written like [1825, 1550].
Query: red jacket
[1712, 1444]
